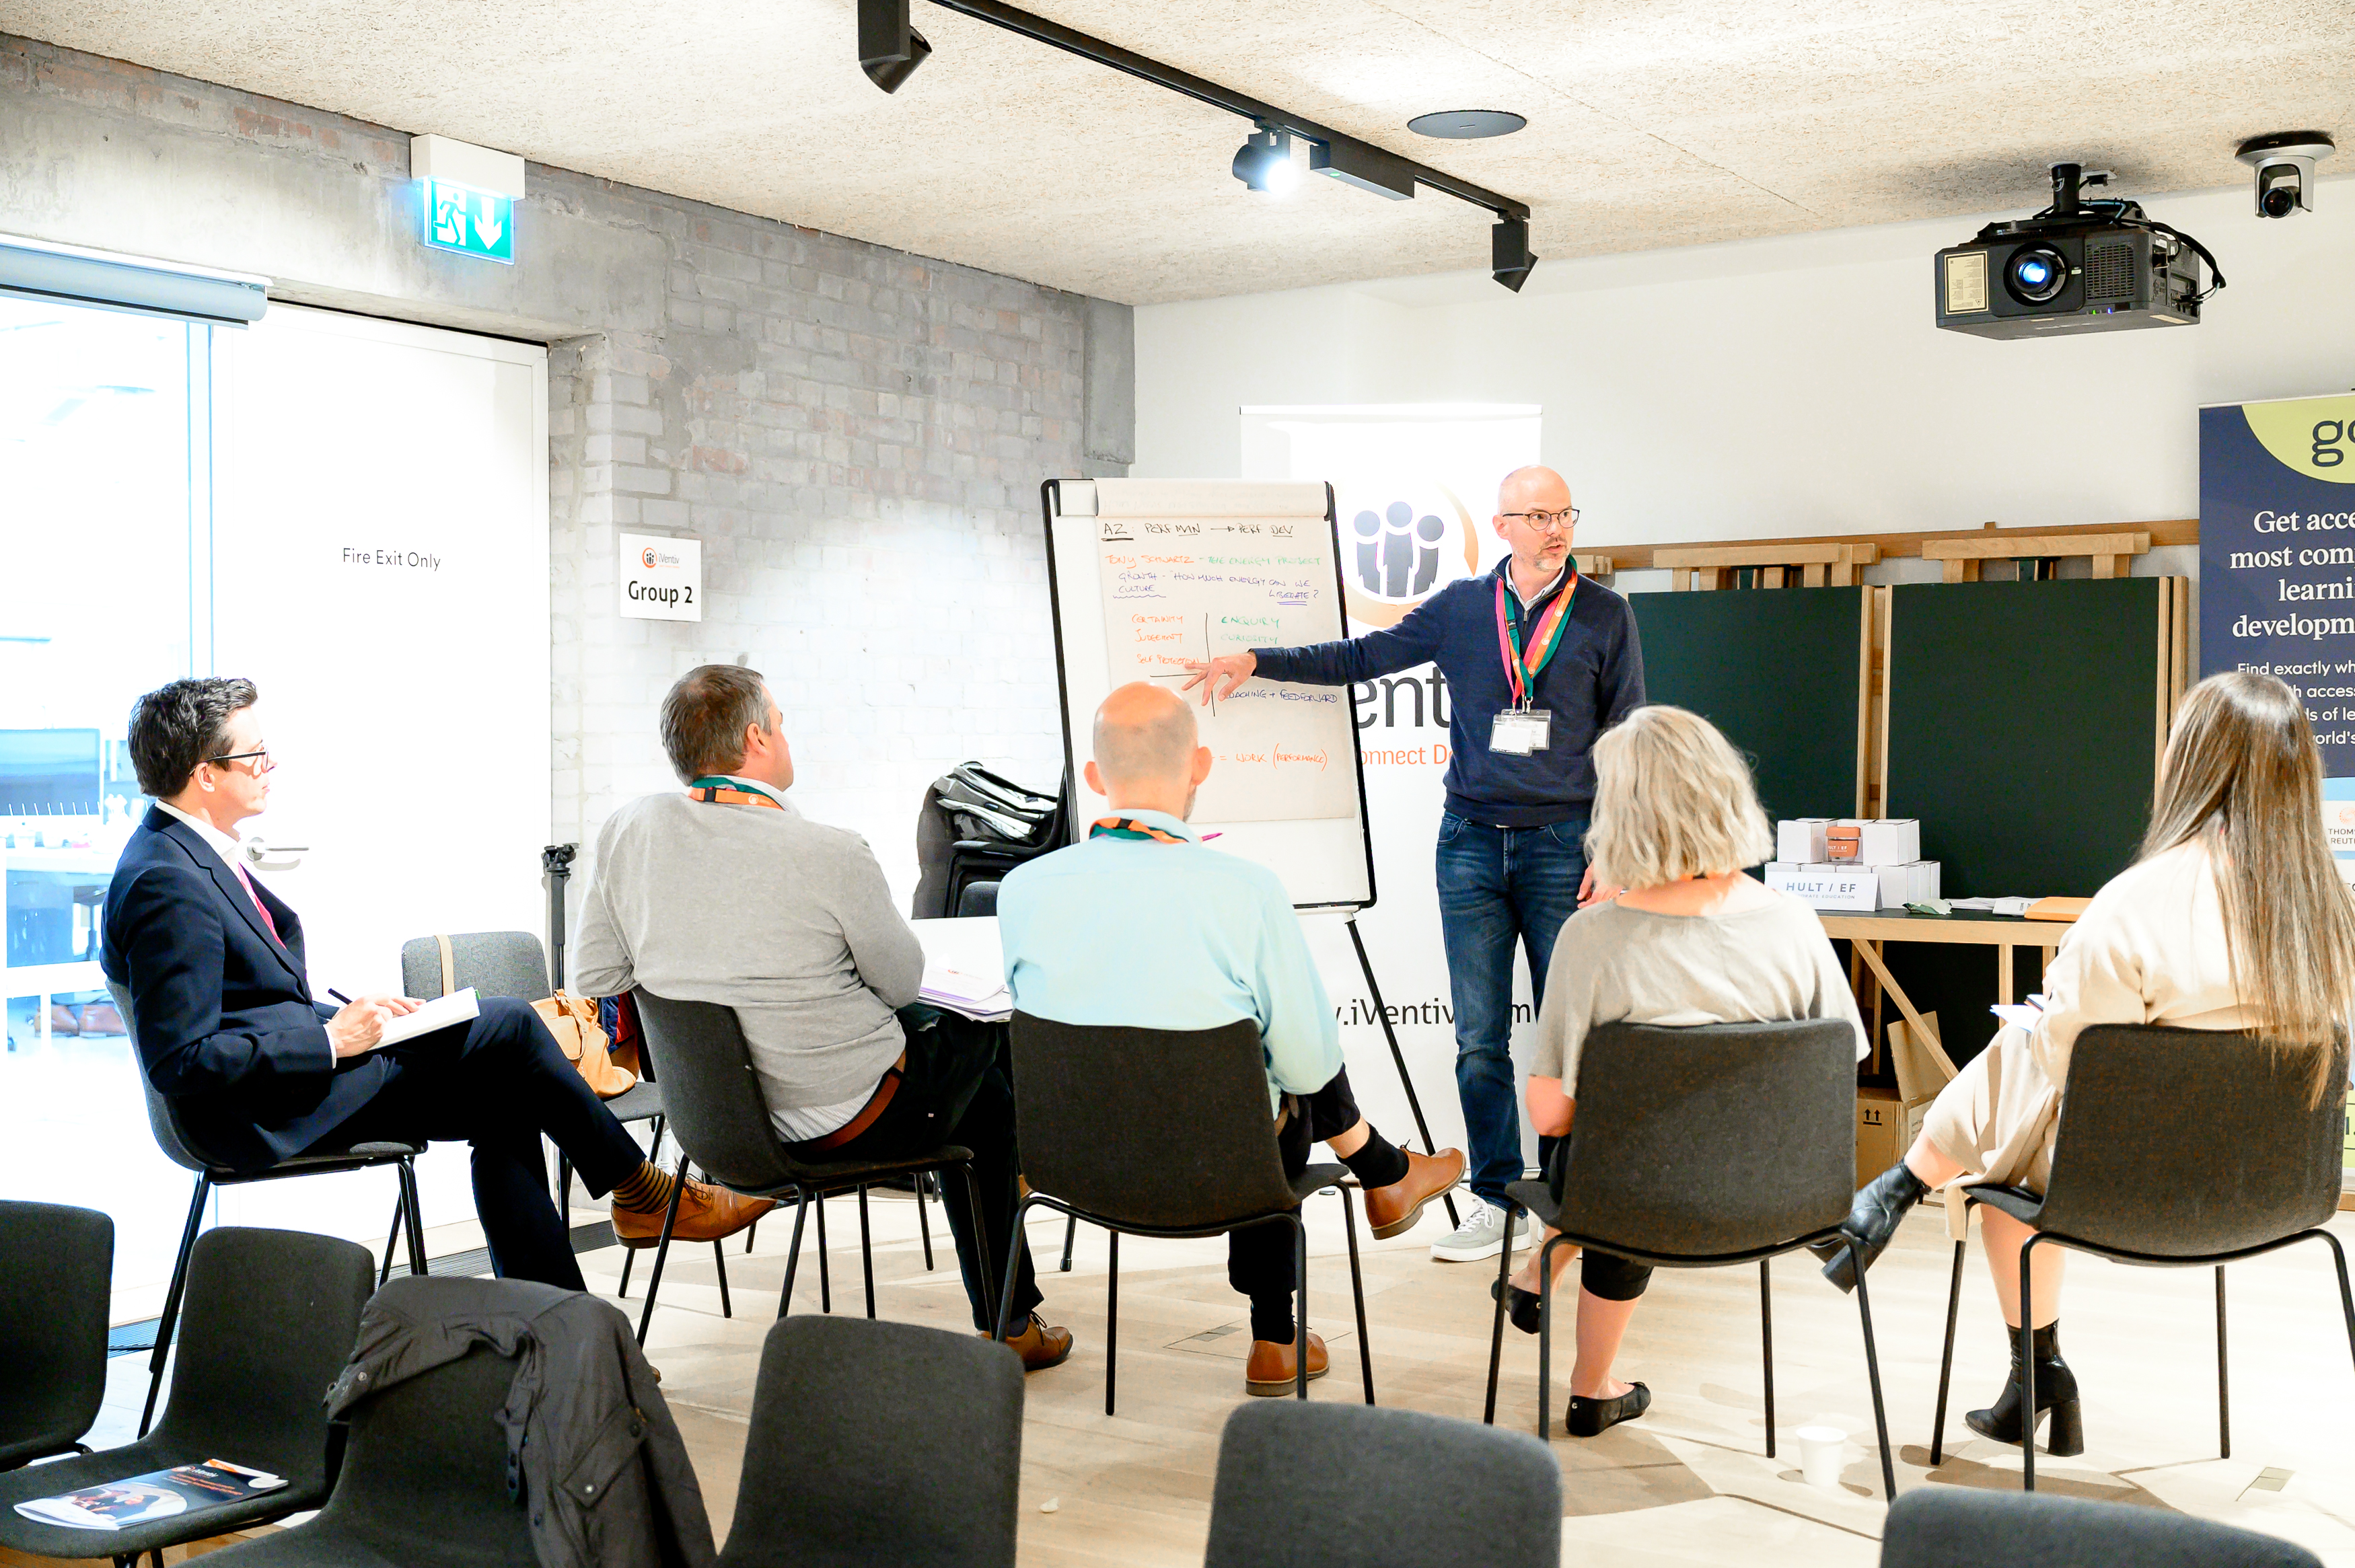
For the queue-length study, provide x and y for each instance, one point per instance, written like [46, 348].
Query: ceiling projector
[2080, 265]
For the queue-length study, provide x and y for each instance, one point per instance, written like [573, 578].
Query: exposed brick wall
[856, 434]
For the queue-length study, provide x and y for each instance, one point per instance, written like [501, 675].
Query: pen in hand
[340, 996]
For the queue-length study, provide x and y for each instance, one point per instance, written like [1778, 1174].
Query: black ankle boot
[2056, 1391]
[1873, 1220]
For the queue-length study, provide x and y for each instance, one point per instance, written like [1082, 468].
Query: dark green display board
[1777, 670]
[2023, 724]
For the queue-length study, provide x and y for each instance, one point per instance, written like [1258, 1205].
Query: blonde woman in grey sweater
[1681, 935]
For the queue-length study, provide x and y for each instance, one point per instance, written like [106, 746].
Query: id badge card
[1518, 732]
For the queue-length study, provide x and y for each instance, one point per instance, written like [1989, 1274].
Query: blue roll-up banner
[2277, 569]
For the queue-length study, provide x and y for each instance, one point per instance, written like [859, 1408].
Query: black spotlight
[890, 50]
[1510, 260]
[1264, 162]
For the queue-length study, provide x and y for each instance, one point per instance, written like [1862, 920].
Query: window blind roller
[36, 270]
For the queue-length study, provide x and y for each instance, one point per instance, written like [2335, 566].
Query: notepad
[458, 1007]
[986, 1001]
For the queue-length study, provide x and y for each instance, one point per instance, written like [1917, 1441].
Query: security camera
[2285, 163]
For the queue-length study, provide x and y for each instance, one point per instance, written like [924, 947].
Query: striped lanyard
[1130, 828]
[1521, 669]
[721, 792]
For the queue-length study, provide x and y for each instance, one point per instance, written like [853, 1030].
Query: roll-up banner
[2277, 569]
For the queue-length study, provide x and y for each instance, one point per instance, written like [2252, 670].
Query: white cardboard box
[1913, 881]
[1847, 889]
[1890, 841]
[1800, 841]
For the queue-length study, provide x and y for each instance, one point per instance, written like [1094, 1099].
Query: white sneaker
[1482, 1234]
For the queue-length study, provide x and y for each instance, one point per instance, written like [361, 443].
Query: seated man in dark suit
[226, 1028]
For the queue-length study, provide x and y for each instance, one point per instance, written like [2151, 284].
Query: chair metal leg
[751, 1231]
[1112, 1323]
[1545, 1333]
[1004, 1293]
[2224, 1383]
[165, 1324]
[1497, 1328]
[564, 1188]
[2346, 1293]
[1300, 1319]
[1070, 1235]
[416, 1216]
[924, 1215]
[654, 1153]
[794, 1255]
[2026, 1371]
[824, 1267]
[1767, 1339]
[629, 1258]
[1357, 1294]
[392, 1237]
[662, 1250]
[981, 1237]
[866, 1252]
[1947, 1361]
[720, 1262]
[1873, 1372]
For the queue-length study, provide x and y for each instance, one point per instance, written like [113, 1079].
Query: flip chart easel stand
[1398, 1058]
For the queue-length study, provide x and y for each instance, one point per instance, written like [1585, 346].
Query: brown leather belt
[866, 1114]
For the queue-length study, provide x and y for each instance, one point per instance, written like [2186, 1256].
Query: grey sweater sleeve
[889, 958]
[599, 958]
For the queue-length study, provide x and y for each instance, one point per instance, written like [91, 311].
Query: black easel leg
[1357, 1294]
[1398, 1058]
[165, 1324]
[1947, 1361]
[794, 1255]
[1767, 1339]
[2224, 1383]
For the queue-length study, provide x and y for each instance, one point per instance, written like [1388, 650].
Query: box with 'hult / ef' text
[1853, 889]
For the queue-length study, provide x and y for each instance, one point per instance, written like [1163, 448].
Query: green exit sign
[471, 222]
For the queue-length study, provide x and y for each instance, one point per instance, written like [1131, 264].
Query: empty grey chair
[1961, 1527]
[1341, 1486]
[56, 1270]
[1080, 1094]
[269, 1317]
[1700, 1148]
[2249, 1166]
[424, 1483]
[173, 1138]
[720, 1120]
[879, 1442]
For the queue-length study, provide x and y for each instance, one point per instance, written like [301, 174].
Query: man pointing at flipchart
[1540, 662]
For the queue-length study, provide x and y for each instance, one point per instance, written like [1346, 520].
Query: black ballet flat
[1522, 1307]
[1593, 1418]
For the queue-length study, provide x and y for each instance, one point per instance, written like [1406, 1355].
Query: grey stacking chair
[1079, 1090]
[180, 1146]
[719, 1119]
[850, 1463]
[1701, 1148]
[271, 1316]
[513, 964]
[423, 1482]
[1961, 1527]
[2246, 1165]
[56, 1270]
[1341, 1486]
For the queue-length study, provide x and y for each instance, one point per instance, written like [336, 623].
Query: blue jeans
[1497, 887]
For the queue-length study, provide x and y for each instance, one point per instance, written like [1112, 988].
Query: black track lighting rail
[1268, 115]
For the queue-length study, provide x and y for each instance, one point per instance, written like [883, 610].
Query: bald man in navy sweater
[1540, 662]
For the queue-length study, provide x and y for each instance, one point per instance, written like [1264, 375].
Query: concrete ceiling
[1652, 123]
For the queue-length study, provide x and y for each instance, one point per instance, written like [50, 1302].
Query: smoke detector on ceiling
[1466, 125]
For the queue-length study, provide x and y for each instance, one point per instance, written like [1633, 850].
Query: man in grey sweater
[724, 893]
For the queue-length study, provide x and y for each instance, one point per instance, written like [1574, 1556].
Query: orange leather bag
[573, 1021]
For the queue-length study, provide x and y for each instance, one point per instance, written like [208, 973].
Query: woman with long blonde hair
[2233, 919]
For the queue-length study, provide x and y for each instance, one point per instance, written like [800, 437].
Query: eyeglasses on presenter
[260, 759]
[1548, 522]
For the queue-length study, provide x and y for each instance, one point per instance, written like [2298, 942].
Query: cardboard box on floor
[1889, 1121]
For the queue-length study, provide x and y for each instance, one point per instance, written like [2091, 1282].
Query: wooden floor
[1687, 1484]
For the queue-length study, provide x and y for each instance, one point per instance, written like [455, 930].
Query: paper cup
[1819, 1455]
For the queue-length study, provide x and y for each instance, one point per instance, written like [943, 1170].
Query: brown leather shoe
[706, 1213]
[1393, 1209]
[1271, 1369]
[1040, 1346]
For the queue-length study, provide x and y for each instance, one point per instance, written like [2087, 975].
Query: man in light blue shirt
[1141, 924]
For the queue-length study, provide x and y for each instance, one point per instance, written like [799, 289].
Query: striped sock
[648, 1191]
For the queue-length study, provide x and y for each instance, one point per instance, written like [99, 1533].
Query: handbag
[573, 1021]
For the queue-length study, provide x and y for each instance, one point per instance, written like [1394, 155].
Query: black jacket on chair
[226, 1027]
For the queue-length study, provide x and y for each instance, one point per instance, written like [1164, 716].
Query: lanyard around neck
[1130, 828]
[1522, 669]
[716, 791]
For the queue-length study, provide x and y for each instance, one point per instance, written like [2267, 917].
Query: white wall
[1780, 387]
